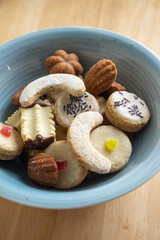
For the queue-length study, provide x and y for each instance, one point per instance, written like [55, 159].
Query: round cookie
[74, 173]
[127, 111]
[12, 145]
[120, 155]
[67, 107]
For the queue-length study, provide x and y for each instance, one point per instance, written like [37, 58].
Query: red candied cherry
[6, 130]
[61, 164]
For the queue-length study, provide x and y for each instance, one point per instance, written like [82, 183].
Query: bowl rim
[87, 197]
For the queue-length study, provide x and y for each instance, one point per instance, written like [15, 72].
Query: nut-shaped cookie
[100, 76]
[42, 169]
[62, 62]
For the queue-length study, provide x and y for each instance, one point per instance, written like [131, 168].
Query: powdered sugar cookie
[67, 107]
[79, 139]
[53, 95]
[61, 82]
[127, 111]
[113, 144]
[71, 173]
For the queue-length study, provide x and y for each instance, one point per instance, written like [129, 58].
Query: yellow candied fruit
[111, 144]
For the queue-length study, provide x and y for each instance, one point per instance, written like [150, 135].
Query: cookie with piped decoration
[67, 107]
[127, 111]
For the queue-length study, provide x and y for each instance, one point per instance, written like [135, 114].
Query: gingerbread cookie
[67, 107]
[112, 143]
[127, 111]
[71, 173]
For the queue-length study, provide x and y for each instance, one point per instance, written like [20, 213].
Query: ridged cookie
[61, 82]
[74, 173]
[121, 154]
[37, 126]
[127, 111]
[14, 120]
[79, 139]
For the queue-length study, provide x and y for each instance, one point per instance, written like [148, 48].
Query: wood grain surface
[135, 216]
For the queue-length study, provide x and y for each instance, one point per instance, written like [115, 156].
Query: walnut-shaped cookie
[62, 62]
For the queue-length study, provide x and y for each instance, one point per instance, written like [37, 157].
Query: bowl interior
[23, 60]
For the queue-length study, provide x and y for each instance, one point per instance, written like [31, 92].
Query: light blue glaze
[22, 60]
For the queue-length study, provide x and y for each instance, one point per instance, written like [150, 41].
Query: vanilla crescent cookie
[10, 146]
[65, 82]
[127, 111]
[103, 139]
[79, 139]
[71, 173]
[67, 107]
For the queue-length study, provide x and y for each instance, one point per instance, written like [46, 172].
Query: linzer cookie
[14, 120]
[79, 139]
[11, 144]
[113, 144]
[70, 172]
[67, 107]
[60, 82]
[37, 126]
[127, 111]
[100, 77]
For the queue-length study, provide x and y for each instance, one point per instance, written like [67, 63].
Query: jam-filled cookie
[11, 144]
[113, 144]
[70, 172]
[67, 107]
[127, 111]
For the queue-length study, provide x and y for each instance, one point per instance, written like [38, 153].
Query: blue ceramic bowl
[22, 60]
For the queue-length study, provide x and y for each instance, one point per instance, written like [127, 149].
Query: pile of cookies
[67, 127]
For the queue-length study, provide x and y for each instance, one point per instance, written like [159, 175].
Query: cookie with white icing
[112, 143]
[127, 111]
[67, 107]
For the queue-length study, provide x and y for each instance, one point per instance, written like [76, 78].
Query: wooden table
[135, 216]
